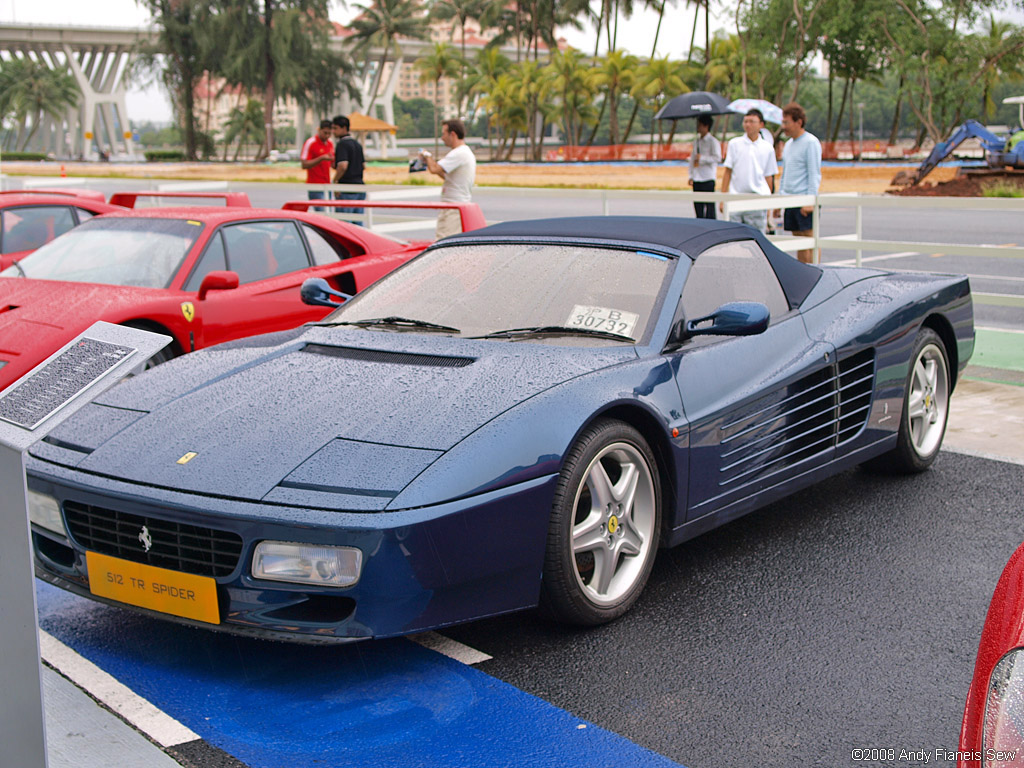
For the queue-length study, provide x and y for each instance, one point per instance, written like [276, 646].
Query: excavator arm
[970, 129]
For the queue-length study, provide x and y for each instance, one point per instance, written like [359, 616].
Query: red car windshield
[140, 252]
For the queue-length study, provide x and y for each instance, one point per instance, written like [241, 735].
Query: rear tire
[604, 529]
[925, 409]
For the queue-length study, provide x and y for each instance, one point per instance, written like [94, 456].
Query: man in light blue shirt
[801, 173]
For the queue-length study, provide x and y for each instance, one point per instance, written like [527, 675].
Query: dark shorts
[794, 221]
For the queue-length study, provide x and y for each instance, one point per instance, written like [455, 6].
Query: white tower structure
[99, 59]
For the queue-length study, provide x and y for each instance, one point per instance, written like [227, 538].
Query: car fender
[530, 440]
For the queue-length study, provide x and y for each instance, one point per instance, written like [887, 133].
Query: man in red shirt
[317, 157]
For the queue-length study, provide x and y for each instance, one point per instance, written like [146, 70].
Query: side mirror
[737, 318]
[218, 280]
[317, 292]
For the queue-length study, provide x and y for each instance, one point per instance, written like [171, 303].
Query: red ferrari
[992, 734]
[31, 218]
[200, 275]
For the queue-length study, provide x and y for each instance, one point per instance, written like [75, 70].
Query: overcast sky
[636, 34]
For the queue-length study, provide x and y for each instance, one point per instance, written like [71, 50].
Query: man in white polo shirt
[750, 168]
[458, 169]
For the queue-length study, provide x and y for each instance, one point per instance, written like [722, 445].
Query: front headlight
[1003, 728]
[44, 511]
[318, 565]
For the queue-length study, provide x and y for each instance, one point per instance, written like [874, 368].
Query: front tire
[925, 408]
[167, 353]
[604, 529]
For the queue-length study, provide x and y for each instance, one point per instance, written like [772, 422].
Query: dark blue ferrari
[519, 417]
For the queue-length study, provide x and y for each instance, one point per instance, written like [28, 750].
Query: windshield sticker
[657, 256]
[603, 319]
[194, 223]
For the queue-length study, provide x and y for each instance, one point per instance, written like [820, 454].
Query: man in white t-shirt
[750, 168]
[458, 169]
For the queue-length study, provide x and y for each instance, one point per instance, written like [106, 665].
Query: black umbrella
[693, 104]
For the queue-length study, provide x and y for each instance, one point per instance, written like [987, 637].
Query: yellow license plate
[159, 589]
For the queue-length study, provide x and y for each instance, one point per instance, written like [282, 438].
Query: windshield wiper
[20, 268]
[393, 320]
[553, 330]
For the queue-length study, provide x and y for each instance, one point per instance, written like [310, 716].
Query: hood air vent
[392, 358]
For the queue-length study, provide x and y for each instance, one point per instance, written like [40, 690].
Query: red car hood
[38, 317]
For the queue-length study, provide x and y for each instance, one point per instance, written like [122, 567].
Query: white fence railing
[608, 200]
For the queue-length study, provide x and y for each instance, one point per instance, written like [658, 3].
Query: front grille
[175, 546]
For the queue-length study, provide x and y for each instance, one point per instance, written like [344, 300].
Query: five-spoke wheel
[604, 527]
[925, 408]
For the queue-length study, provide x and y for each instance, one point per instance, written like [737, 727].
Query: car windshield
[130, 251]
[552, 293]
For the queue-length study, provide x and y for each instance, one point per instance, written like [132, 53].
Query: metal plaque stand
[29, 409]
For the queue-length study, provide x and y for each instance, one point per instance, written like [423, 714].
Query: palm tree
[616, 74]
[442, 62]
[659, 6]
[187, 44]
[276, 48]
[506, 112]
[535, 84]
[999, 70]
[658, 81]
[725, 64]
[379, 25]
[507, 19]
[32, 90]
[573, 80]
[244, 125]
[460, 12]
[481, 79]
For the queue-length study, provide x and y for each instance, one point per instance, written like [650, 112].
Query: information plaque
[29, 403]
[29, 409]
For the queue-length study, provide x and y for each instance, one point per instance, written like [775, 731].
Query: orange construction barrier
[617, 152]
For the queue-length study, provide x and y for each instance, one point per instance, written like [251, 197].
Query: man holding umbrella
[707, 154]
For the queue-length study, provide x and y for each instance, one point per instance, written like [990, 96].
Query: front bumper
[422, 568]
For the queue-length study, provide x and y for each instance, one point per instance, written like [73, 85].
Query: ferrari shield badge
[188, 309]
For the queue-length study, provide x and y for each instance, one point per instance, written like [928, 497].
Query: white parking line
[453, 649]
[157, 725]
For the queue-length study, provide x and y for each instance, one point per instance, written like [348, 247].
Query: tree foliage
[31, 91]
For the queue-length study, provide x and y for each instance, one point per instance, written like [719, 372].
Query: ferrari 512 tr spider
[520, 416]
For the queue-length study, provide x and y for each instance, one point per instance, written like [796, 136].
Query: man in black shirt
[348, 160]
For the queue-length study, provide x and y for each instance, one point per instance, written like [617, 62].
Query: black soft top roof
[689, 236]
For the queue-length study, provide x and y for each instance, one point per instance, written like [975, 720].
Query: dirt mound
[963, 186]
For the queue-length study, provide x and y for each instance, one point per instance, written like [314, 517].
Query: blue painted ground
[385, 703]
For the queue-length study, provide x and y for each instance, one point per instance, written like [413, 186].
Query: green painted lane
[999, 349]
[998, 357]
